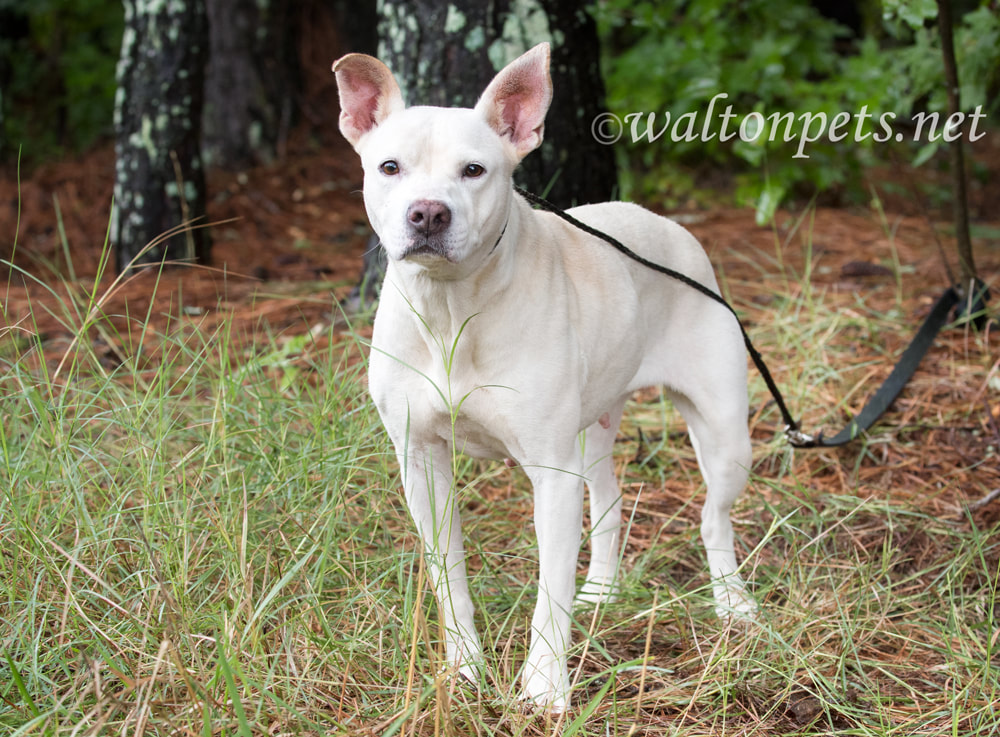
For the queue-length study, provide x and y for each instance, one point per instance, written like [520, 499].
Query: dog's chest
[467, 414]
[456, 392]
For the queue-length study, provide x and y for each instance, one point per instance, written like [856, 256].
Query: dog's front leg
[558, 526]
[429, 493]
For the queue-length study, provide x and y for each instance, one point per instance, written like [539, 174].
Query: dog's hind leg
[605, 507]
[721, 441]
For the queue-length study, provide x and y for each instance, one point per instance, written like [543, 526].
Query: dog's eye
[474, 170]
[389, 168]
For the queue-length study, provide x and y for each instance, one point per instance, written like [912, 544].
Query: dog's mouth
[425, 251]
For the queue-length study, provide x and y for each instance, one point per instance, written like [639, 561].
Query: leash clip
[798, 439]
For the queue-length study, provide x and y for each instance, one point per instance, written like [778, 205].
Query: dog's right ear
[368, 94]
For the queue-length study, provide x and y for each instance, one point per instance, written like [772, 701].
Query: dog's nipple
[509, 462]
[605, 421]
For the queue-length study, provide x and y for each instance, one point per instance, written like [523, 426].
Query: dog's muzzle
[428, 221]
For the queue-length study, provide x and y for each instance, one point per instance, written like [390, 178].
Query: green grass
[204, 536]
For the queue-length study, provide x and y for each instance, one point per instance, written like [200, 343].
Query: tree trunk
[446, 53]
[357, 26]
[961, 205]
[250, 81]
[159, 181]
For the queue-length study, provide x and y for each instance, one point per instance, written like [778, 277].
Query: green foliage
[917, 58]
[781, 58]
[57, 69]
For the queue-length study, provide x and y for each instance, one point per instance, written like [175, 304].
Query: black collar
[502, 231]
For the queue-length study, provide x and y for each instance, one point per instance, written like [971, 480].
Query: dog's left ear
[517, 99]
[368, 94]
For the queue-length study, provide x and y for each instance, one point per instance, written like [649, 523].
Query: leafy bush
[57, 71]
[917, 56]
[786, 62]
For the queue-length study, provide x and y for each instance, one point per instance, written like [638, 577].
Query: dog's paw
[733, 603]
[546, 685]
[595, 592]
[465, 659]
[471, 673]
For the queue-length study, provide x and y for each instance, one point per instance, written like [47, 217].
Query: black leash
[882, 398]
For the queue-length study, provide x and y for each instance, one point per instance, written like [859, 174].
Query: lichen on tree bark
[159, 180]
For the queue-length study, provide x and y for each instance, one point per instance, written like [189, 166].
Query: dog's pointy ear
[368, 94]
[517, 99]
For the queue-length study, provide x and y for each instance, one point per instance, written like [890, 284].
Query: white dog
[504, 332]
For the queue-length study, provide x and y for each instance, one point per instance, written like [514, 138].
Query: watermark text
[803, 128]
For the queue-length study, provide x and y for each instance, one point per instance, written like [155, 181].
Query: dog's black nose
[429, 217]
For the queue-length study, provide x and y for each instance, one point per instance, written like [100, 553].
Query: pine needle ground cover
[201, 531]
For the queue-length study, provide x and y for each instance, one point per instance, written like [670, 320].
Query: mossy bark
[250, 82]
[159, 181]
